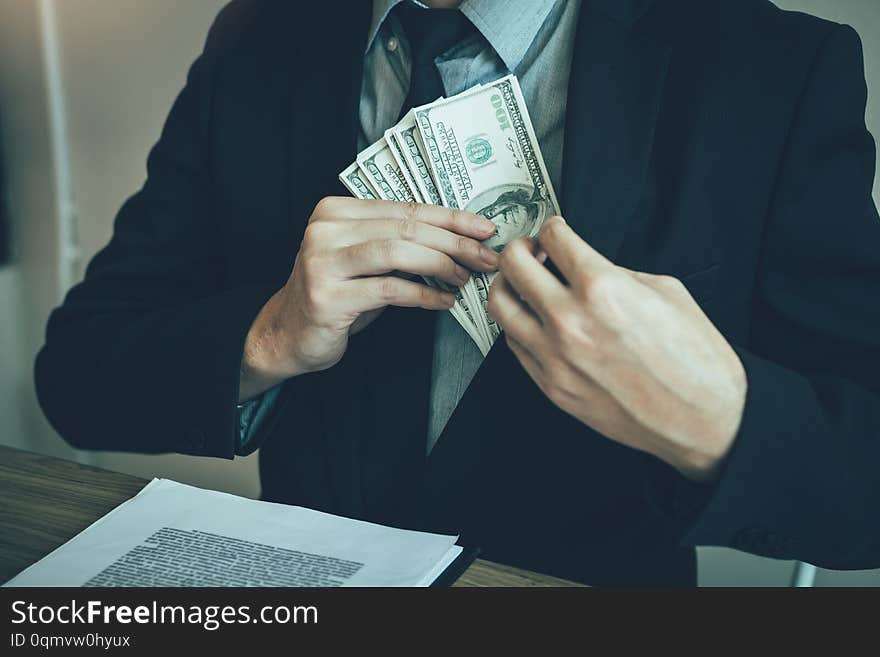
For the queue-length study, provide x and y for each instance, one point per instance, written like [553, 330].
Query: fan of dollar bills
[475, 151]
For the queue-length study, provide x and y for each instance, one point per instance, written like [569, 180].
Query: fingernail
[542, 256]
[462, 273]
[449, 300]
[484, 225]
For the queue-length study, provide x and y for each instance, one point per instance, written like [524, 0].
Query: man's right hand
[344, 277]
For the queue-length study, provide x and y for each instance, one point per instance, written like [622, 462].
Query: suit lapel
[325, 98]
[618, 73]
[399, 353]
[617, 78]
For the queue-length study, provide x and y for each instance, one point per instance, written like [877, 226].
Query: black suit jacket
[720, 142]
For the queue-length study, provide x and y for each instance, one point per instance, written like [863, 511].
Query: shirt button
[391, 44]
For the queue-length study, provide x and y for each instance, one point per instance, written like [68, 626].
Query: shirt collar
[510, 27]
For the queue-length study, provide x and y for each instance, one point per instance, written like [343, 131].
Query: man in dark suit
[690, 357]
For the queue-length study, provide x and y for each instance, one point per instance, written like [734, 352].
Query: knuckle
[519, 247]
[519, 243]
[313, 265]
[449, 267]
[312, 234]
[310, 267]
[411, 211]
[508, 255]
[318, 234]
[465, 246]
[426, 295]
[407, 229]
[365, 251]
[388, 251]
[314, 299]
[670, 283]
[327, 206]
[552, 230]
[389, 288]
[494, 310]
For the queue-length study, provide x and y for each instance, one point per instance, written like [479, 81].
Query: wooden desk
[46, 501]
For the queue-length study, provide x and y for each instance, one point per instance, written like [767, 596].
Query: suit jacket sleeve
[144, 354]
[802, 478]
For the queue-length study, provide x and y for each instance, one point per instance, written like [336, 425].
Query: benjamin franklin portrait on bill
[516, 211]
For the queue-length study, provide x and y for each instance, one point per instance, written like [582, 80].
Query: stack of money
[475, 151]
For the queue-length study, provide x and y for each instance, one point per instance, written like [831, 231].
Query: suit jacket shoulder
[754, 34]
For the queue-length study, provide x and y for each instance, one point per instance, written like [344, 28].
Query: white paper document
[171, 534]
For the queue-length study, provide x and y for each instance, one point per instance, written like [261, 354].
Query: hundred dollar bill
[466, 299]
[353, 179]
[412, 151]
[470, 319]
[377, 164]
[481, 283]
[354, 182]
[485, 158]
[397, 154]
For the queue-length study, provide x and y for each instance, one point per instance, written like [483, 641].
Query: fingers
[385, 256]
[457, 221]
[465, 250]
[575, 258]
[530, 279]
[513, 315]
[365, 294]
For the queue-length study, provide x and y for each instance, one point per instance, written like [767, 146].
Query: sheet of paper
[171, 534]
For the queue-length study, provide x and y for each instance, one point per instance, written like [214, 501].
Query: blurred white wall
[122, 62]
[27, 288]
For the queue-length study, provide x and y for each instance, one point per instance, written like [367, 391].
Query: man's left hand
[627, 353]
